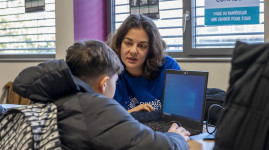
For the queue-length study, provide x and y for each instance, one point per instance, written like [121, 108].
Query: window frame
[188, 36]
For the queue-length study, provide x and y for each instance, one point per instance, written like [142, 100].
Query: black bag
[214, 100]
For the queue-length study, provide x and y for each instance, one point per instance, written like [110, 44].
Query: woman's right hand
[146, 107]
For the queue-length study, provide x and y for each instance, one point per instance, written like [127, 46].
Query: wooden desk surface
[201, 144]
[197, 142]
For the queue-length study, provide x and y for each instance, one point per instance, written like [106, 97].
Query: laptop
[183, 100]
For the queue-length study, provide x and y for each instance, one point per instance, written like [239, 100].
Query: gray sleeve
[181, 143]
[122, 131]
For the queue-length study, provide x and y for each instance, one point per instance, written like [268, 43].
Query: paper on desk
[202, 136]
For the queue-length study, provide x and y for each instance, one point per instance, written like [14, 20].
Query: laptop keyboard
[161, 126]
[164, 126]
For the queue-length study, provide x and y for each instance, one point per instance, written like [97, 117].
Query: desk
[201, 144]
[197, 142]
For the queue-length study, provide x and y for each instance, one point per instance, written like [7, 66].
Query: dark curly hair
[155, 58]
[92, 58]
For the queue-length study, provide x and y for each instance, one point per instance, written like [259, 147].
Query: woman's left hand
[146, 107]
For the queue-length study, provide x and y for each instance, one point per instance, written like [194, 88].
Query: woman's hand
[146, 107]
[180, 130]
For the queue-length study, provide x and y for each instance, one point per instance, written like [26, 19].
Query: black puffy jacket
[244, 124]
[88, 120]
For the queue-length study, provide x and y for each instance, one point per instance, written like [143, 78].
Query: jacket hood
[46, 81]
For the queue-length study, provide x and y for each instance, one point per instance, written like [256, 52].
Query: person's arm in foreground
[146, 107]
[116, 129]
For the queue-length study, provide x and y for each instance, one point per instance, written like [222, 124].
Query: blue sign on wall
[220, 12]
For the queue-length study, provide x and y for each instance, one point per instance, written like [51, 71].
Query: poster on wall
[232, 12]
[34, 5]
[148, 8]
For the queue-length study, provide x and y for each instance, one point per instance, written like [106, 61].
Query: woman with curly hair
[140, 47]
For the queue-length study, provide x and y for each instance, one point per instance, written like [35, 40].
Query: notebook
[184, 97]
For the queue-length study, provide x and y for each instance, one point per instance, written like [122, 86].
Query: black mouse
[177, 122]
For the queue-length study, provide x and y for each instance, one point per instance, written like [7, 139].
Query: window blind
[26, 33]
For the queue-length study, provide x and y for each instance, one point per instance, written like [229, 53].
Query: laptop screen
[184, 93]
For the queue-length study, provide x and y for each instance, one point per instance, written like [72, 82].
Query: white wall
[64, 26]
[218, 71]
[9, 70]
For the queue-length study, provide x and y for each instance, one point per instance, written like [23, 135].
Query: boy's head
[96, 64]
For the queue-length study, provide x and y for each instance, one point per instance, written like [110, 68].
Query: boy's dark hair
[92, 58]
[156, 45]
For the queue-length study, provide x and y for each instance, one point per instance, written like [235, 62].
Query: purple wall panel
[90, 19]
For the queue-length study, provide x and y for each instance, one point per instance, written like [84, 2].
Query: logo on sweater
[133, 102]
[156, 104]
